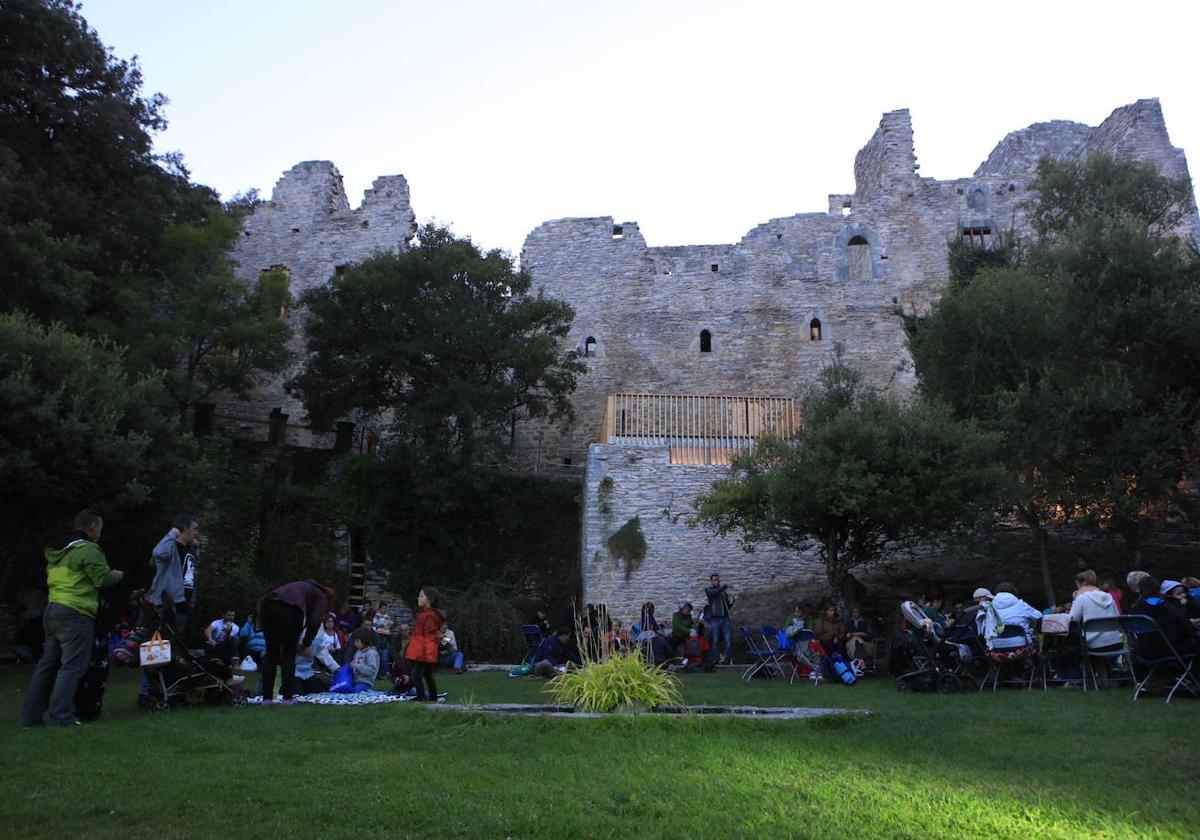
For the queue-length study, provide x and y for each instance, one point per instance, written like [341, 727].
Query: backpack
[842, 672]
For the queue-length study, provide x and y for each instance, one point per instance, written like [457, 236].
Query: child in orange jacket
[422, 651]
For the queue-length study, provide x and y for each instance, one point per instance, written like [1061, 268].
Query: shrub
[621, 680]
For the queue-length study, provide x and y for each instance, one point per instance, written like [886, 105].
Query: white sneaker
[236, 679]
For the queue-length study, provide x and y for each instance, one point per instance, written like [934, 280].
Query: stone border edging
[559, 710]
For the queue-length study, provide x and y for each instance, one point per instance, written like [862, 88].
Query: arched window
[705, 341]
[814, 329]
[858, 259]
[589, 346]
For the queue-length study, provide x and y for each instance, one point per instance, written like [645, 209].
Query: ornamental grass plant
[613, 676]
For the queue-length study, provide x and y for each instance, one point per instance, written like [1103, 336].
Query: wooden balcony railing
[699, 429]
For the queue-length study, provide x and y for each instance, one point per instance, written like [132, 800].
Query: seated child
[449, 656]
[366, 659]
[616, 638]
[697, 652]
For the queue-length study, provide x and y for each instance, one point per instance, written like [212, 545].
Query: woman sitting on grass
[366, 659]
[829, 630]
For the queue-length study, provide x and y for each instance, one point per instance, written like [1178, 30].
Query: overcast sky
[696, 119]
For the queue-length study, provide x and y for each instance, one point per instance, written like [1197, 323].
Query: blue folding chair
[762, 658]
[1146, 634]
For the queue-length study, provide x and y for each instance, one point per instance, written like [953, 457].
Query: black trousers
[281, 626]
[423, 675]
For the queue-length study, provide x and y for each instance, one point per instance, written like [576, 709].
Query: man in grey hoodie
[167, 589]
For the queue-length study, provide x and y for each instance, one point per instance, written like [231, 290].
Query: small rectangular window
[715, 267]
[618, 232]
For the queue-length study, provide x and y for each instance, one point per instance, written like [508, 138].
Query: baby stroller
[932, 662]
[187, 680]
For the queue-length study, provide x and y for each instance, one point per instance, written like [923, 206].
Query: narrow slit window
[589, 347]
[814, 329]
[705, 341]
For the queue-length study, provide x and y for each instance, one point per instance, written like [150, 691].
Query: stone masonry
[873, 253]
[308, 229]
[773, 305]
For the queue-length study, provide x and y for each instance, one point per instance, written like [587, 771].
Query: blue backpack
[842, 672]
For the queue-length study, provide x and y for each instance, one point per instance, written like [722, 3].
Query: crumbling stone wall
[873, 253]
[309, 229]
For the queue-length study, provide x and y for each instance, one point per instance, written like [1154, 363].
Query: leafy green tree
[208, 329]
[76, 431]
[863, 472]
[444, 341]
[83, 200]
[1084, 353]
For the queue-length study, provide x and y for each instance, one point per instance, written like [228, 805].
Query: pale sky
[696, 119]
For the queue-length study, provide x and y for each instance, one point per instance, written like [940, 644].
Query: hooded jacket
[1095, 603]
[1009, 610]
[76, 572]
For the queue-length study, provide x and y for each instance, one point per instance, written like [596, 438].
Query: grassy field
[1016, 764]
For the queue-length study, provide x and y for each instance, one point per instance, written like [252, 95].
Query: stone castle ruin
[693, 351]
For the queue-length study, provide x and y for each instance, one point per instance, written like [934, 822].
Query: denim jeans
[720, 630]
[454, 660]
[385, 654]
[64, 661]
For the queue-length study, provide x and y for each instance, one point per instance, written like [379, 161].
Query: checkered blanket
[328, 698]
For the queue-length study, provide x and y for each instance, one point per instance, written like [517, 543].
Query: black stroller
[186, 680]
[932, 662]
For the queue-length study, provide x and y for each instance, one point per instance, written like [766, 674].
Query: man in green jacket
[75, 573]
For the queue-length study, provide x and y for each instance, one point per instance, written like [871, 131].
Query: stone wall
[679, 558]
[853, 268]
[309, 229]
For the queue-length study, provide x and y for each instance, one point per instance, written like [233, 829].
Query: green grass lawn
[1014, 764]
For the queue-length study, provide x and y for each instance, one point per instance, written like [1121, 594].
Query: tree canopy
[444, 341]
[1082, 350]
[863, 471]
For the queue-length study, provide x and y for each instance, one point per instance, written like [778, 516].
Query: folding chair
[803, 654]
[761, 658]
[1145, 632]
[998, 658]
[1123, 650]
[779, 655]
[532, 634]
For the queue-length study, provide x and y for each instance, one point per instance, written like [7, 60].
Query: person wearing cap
[1185, 594]
[1171, 618]
[981, 598]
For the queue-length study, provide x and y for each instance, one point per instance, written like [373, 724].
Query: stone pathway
[551, 710]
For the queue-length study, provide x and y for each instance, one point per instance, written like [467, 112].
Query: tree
[442, 339]
[209, 330]
[76, 431]
[1083, 353]
[863, 472]
[83, 200]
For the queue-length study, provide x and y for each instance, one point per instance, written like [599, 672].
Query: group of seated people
[1008, 625]
[851, 637]
[364, 638]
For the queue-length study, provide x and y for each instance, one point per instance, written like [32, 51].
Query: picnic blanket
[362, 698]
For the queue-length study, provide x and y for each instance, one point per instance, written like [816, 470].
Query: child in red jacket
[422, 649]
